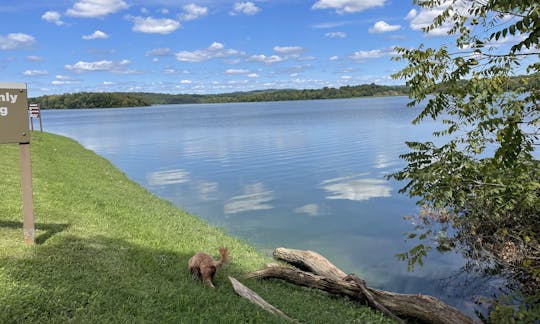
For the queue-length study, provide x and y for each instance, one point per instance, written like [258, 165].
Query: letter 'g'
[3, 111]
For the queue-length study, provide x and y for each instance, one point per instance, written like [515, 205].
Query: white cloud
[286, 51]
[266, 59]
[299, 68]
[192, 12]
[64, 79]
[334, 58]
[424, 18]
[215, 50]
[236, 71]
[35, 72]
[96, 8]
[104, 65]
[371, 54]
[336, 35]
[53, 17]
[412, 13]
[171, 70]
[58, 82]
[98, 34]
[383, 27]
[15, 41]
[334, 24]
[108, 83]
[159, 52]
[34, 58]
[253, 75]
[186, 81]
[246, 8]
[347, 6]
[508, 40]
[150, 25]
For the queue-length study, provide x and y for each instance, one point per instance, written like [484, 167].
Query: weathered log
[326, 276]
[316, 263]
[253, 297]
[309, 261]
[371, 300]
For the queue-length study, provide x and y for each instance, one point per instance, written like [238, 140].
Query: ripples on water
[304, 174]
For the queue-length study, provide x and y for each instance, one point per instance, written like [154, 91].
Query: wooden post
[14, 130]
[28, 201]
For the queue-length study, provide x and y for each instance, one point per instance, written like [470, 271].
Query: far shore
[141, 99]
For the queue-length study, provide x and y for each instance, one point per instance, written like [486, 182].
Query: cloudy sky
[210, 46]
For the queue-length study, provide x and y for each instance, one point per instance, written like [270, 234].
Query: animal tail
[224, 257]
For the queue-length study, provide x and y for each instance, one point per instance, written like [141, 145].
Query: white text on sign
[3, 111]
[8, 98]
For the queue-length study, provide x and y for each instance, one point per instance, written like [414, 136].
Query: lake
[302, 174]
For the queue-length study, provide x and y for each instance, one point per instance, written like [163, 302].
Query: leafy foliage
[484, 180]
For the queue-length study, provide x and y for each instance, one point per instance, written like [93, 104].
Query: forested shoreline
[138, 99]
[141, 99]
[89, 100]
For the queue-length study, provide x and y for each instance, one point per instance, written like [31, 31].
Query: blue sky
[211, 46]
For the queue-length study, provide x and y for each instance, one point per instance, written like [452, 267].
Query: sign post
[14, 130]
[35, 112]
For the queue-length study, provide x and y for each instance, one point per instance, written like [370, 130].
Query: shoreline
[109, 250]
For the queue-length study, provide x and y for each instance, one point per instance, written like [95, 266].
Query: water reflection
[383, 161]
[356, 188]
[168, 177]
[310, 209]
[206, 189]
[255, 197]
[275, 167]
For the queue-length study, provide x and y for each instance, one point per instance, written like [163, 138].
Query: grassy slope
[109, 251]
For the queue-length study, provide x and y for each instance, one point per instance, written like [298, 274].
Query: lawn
[107, 250]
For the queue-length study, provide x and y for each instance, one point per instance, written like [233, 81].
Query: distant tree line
[364, 90]
[137, 99]
[90, 100]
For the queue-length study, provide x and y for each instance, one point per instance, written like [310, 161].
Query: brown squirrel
[201, 265]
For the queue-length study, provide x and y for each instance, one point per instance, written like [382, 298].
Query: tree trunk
[326, 276]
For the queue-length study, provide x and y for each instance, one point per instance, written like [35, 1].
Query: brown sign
[13, 113]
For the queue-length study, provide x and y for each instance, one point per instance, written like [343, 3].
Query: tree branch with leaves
[484, 180]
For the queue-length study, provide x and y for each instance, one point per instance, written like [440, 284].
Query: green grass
[109, 251]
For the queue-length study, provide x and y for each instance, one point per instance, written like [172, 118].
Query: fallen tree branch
[253, 297]
[325, 276]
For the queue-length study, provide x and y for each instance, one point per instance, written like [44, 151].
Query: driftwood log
[315, 271]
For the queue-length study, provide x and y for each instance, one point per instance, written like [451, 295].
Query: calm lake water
[302, 174]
